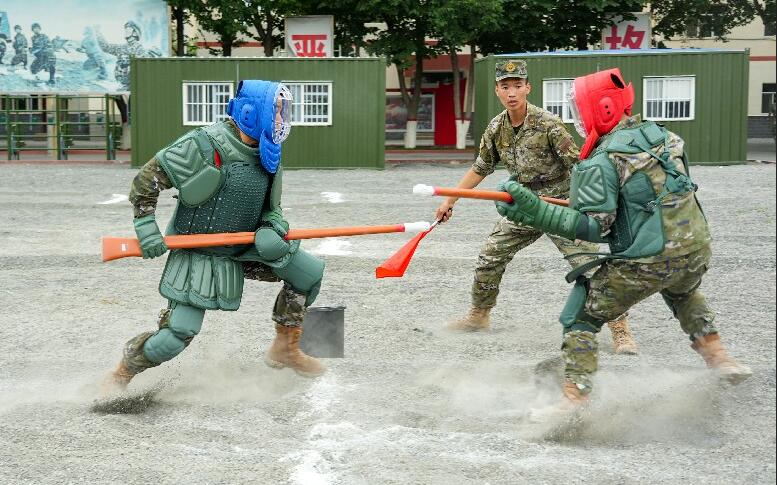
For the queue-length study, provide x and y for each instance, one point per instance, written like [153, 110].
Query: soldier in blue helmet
[228, 177]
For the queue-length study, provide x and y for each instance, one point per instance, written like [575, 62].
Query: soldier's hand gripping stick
[422, 189]
[122, 247]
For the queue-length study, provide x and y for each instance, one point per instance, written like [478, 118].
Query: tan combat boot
[622, 341]
[716, 357]
[118, 380]
[572, 401]
[285, 352]
[477, 319]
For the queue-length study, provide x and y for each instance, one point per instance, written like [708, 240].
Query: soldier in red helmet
[632, 189]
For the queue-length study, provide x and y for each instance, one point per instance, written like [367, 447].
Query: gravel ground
[410, 403]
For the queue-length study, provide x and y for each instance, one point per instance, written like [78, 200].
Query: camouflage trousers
[618, 285]
[289, 310]
[505, 240]
[19, 58]
[43, 62]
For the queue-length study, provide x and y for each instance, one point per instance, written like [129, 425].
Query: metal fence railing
[60, 123]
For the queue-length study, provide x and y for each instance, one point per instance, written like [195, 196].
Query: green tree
[460, 23]
[225, 18]
[701, 18]
[267, 18]
[180, 10]
[402, 42]
[766, 10]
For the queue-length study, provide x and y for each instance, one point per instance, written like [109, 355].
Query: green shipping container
[700, 94]
[339, 105]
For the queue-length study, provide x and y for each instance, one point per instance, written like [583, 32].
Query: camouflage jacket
[685, 227]
[123, 52]
[20, 43]
[150, 180]
[540, 154]
[41, 45]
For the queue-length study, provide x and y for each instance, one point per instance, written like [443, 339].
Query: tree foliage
[180, 11]
[705, 18]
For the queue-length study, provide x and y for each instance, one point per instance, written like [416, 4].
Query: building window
[205, 102]
[767, 96]
[668, 98]
[396, 114]
[312, 103]
[700, 29]
[554, 98]
[770, 27]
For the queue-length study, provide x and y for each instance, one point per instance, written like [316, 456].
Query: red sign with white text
[628, 34]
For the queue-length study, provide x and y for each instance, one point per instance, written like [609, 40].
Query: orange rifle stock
[122, 247]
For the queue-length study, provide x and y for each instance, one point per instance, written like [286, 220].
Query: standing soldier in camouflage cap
[536, 148]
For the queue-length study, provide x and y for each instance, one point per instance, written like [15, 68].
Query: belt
[540, 182]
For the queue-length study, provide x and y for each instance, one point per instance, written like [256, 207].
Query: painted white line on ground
[333, 197]
[333, 246]
[116, 198]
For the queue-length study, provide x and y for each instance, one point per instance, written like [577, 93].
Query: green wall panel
[355, 139]
[716, 135]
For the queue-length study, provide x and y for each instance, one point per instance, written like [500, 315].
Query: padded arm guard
[530, 210]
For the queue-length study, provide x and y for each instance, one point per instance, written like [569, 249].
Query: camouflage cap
[511, 68]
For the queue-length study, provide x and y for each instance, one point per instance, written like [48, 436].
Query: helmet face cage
[575, 111]
[283, 105]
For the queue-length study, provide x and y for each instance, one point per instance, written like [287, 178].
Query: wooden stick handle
[122, 247]
[489, 195]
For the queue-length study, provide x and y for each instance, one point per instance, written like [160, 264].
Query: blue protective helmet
[262, 110]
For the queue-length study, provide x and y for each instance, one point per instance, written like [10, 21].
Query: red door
[444, 115]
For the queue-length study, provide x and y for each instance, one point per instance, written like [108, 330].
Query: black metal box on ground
[323, 332]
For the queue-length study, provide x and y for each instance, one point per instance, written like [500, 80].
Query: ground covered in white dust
[409, 403]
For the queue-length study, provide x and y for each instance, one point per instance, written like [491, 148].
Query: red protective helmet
[598, 101]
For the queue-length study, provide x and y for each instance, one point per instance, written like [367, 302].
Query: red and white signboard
[310, 36]
[628, 34]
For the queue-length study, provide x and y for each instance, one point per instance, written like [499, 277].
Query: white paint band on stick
[420, 226]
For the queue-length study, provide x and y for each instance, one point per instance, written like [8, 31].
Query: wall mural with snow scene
[77, 46]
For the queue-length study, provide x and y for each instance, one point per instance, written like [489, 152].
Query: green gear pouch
[303, 272]
[638, 230]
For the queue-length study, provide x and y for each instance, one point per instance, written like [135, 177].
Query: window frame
[691, 110]
[564, 102]
[419, 129]
[301, 103]
[185, 100]
[764, 92]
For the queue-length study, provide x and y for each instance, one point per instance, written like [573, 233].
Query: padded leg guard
[573, 316]
[304, 273]
[184, 323]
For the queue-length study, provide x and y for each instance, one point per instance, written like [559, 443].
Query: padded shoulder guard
[636, 139]
[594, 186]
[189, 164]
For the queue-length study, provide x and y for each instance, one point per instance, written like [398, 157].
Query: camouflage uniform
[288, 311]
[45, 60]
[20, 50]
[676, 272]
[124, 53]
[540, 153]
